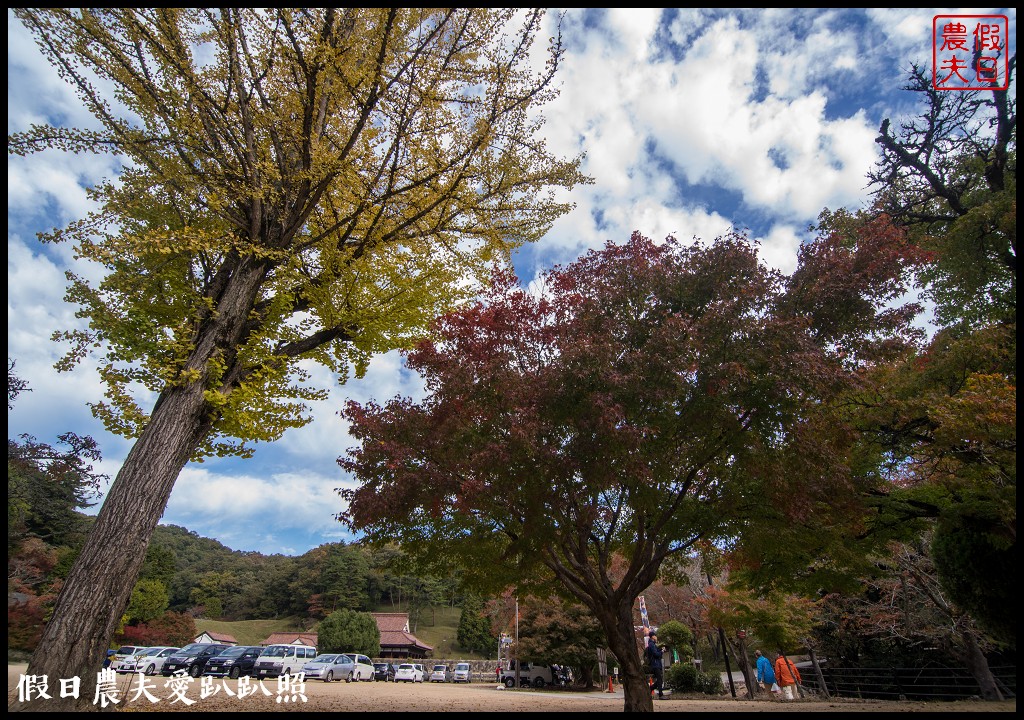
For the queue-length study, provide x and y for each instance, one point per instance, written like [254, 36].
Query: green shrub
[685, 678]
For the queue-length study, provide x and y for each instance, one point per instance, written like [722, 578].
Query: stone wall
[483, 670]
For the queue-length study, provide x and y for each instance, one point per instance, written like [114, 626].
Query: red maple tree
[649, 396]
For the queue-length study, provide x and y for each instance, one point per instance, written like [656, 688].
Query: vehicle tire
[233, 673]
[330, 676]
[151, 670]
[510, 682]
[194, 671]
[538, 683]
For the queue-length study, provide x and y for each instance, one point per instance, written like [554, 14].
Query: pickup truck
[530, 675]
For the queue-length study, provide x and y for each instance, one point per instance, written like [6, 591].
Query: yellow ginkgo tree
[297, 184]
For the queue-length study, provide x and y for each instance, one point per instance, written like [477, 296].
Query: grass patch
[439, 628]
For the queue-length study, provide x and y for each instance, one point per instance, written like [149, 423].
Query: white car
[360, 668]
[148, 661]
[125, 654]
[409, 672]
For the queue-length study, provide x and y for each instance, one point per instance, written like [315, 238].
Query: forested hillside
[184, 576]
[212, 580]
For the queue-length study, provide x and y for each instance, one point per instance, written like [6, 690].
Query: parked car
[409, 672]
[122, 655]
[384, 671]
[463, 673]
[283, 660]
[191, 659]
[362, 668]
[530, 675]
[440, 673]
[235, 661]
[150, 661]
[329, 667]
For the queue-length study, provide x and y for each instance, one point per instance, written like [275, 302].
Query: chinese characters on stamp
[969, 52]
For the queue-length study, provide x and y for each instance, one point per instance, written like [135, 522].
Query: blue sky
[694, 121]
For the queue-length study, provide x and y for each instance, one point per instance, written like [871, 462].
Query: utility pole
[517, 641]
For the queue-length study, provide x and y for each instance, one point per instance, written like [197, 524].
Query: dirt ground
[442, 697]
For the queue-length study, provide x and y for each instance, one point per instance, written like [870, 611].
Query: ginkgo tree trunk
[652, 396]
[298, 184]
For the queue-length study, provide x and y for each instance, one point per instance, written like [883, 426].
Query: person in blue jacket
[654, 659]
[765, 673]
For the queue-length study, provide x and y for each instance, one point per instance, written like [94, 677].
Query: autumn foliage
[640, 400]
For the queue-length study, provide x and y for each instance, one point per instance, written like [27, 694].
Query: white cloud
[733, 120]
[779, 248]
[255, 511]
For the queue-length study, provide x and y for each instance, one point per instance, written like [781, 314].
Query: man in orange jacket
[787, 676]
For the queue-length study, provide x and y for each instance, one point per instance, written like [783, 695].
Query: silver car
[441, 673]
[463, 673]
[329, 667]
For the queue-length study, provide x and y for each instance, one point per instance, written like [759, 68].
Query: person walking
[654, 655]
[765, 673]
[787, 676]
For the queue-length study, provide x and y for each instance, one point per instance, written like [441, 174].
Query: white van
[530, 675]
[278, 660]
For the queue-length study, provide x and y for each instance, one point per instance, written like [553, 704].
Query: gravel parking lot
[448, 697]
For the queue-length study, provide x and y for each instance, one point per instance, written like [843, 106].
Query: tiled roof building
[214, 637]
[290, 638]
[395, 639]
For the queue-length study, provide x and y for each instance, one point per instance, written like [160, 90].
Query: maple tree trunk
[618, 626]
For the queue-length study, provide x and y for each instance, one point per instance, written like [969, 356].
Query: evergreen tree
[349, 631]
[474, 632]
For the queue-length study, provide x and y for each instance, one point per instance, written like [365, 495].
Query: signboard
[643, 617]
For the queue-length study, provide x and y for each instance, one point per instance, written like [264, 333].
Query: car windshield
[406, 667]
[439, 668]
[148, 651]
[462, 666]
[127, 650]
[233, 651]
[193, 649]
[275, 652]
[324, 658]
